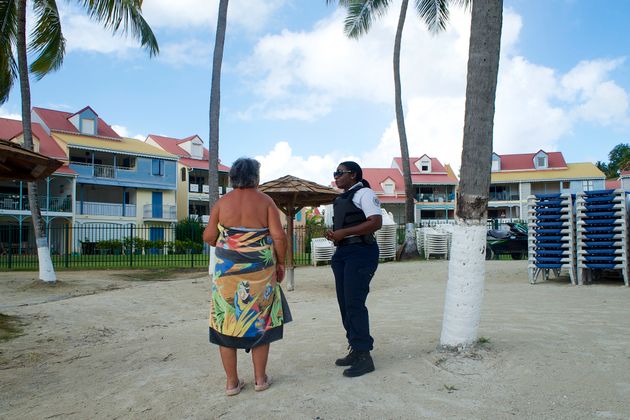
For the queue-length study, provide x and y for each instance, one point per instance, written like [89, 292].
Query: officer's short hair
[245, 173]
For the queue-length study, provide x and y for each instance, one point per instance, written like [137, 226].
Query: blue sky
[301, 97]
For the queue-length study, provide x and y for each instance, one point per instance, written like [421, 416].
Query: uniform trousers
[354, 266]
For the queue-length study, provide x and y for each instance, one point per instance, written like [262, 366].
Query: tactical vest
[347, 214]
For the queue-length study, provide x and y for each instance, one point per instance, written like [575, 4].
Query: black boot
[363, 364]
[349, 359]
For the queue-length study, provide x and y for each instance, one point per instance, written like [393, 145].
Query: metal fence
[110, 246]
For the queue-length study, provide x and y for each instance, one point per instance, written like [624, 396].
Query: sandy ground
[109, 345]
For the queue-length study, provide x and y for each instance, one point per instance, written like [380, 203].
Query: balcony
[503, 196]
[102, 171]
[205, 189]
[435, 198]
[90, 208]
[11, 202]
[168, 212]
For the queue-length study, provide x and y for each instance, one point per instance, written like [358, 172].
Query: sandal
[230, 392]
[263, 386]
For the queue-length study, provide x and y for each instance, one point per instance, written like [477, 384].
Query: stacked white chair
[602, 234]
[386, 237]
[321, 250]
[420, 239]
[435, 243]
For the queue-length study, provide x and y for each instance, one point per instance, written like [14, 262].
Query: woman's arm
[279, 239]
[211, 233]
[371, 225]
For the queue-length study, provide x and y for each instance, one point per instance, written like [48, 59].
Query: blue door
[157, 204]
[156, 233]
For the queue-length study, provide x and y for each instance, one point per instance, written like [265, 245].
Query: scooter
[511, 242]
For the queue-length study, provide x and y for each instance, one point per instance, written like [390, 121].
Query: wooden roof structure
[17, 163]
[291, 194]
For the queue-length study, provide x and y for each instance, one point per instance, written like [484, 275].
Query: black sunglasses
[339, 173]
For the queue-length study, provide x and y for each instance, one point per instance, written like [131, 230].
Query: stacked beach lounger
[602, 234]
[551, 238]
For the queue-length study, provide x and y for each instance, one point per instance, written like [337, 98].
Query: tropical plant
[47, 45]
[189, 229]
[215, 105]
[361, 14]
[466, 269]
[618, 160]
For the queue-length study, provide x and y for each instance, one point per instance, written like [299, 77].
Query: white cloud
[252, 15]
[5, 113]
[83, 34]
[280, 162]
[186, 52]
[304, 75]
[124, 132]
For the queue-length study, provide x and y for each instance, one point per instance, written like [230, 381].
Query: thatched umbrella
[290, 194]
[19, 163]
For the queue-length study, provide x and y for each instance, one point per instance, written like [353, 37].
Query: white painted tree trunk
[46, 270]
[213, 262]
[464, 290]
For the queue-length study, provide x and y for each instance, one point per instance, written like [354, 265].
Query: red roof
[436, 165]
[375, 176]
[60, 121]
[613, 184]
[65, 170]
[438, 179]
[201, 164]
[525, 161]
[10, 129]
[625, 173]
[172, 145]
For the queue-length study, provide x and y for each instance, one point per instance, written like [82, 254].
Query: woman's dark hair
[354, 167]
[245, 173]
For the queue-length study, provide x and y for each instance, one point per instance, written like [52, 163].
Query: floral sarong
[248, 307]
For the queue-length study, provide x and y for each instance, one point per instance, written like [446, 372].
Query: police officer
[357, 215]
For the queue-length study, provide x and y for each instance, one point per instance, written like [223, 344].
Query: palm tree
[48, 45]
[361, 14]
[466, 270]
[215, 105]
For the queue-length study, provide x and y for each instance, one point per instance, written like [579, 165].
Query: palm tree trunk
[215, 105]
[46, 270]
[410, 247]
[466, 270]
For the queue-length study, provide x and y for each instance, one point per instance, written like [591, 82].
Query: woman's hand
[279, 272]
[335, 236]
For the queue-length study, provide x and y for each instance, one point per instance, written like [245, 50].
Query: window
[566, 185]
[87, 126]
[495, 166]
[587, 185]
[425, 167]
[542, 161]
[157, 167]
[388, 187]
[183, 171]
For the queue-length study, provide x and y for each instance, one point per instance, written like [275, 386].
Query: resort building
[434, 187]
[517, 176]
[192, 170]
[56, 192]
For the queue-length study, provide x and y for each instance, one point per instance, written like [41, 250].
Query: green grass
[10, 327]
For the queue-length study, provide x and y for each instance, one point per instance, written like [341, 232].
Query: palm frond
[466, 4]
[47, 41]
[8, 33]
[361, 14]
[434, 13]
[124, 16]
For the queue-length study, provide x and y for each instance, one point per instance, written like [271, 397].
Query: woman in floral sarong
[248, 308]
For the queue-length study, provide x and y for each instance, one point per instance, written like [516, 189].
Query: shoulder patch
[377, 202]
